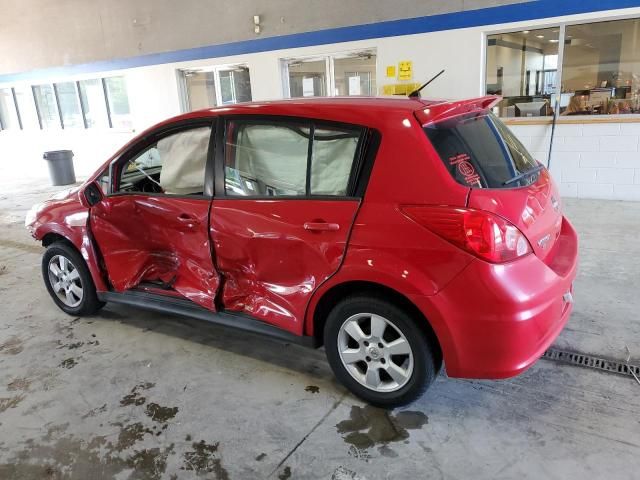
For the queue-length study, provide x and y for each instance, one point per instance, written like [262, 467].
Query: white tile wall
[591, 160]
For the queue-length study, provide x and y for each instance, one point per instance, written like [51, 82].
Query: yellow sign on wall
[405, 70]
[391, 71]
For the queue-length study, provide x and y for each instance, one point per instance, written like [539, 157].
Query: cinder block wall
[597, 160]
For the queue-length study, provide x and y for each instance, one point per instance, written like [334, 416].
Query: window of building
[47, 107]
[344, 74]
[118, 102]
[601, 68]
[307, 77]
[208, 87]
[26, 107]
[93, 103]
[235, 85]
[9, 119]
[288, 159]
[522, 67]
[200, 89]
[69, 103]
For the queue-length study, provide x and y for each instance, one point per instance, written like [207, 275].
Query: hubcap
[64, 279]
[375, 352]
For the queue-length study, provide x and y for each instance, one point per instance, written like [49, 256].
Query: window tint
[333, 154]
[173, 165]
[480, 151]
[47, 107]
[118, 102]
[93, 103]
[266, 159]
[69, 105]
[8, 112]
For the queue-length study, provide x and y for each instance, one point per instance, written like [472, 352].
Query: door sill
[178, 306]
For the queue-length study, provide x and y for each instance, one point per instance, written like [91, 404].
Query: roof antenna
[416, 93]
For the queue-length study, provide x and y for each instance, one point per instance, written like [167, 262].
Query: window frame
[562, 25]
[361, 166]
[16, 109]
[143, 143]
[183, 90]
[330, 78]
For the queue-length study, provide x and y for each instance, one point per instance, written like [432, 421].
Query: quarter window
[288, 159]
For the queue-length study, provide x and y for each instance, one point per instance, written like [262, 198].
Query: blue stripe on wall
[448, 21]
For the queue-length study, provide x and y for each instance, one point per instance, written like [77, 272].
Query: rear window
[480, 151]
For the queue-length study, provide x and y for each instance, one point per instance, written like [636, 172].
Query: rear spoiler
[439, 111]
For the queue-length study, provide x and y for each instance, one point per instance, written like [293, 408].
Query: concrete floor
[130, 394]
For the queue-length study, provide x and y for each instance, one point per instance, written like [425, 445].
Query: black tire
[89, 303]
[426, 363]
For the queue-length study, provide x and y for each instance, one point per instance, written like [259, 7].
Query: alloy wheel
[65, 281]
[375, 352]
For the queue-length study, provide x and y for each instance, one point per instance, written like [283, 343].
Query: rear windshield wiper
[524, 174]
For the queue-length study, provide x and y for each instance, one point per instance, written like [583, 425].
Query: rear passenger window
[334, 152]
[289, 159]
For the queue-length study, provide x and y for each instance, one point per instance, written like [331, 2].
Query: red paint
[275, 259]
[146, 238]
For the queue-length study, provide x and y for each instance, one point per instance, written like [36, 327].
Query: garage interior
[134, 394]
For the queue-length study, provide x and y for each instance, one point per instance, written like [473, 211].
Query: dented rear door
[283, 210]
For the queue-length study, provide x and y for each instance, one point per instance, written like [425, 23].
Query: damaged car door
[282, 213]
[152, 225]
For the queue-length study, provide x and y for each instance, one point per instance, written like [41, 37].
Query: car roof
[344, 109]
[300, 106]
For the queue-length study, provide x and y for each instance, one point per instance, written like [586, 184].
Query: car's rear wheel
[378, 351]
[68, 280]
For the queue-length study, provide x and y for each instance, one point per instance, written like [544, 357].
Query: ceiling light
[553, 41]
[540, 36]
[526, 32]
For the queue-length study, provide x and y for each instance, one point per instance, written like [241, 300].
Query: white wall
[153, 96]
[589, 160]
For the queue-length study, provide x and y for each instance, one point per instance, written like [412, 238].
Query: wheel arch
[336, 293]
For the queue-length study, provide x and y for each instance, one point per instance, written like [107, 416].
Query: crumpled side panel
[270, 263]
[157, 239]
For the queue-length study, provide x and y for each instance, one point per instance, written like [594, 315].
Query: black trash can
[60, 167]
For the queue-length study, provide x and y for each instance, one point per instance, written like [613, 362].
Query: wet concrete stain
[69, 363]
[387, 451]
[359, 453]
[286, 474]
[19, 384]
[95, 411]
[203, 459]
[158, 413]
[80, 460]
[370, 426]
[261, 457]
[13, 346]
[10, 402]
[3, 269]
[134, 397]
[312, 389]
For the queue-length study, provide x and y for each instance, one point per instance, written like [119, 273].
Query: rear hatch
[480, 152]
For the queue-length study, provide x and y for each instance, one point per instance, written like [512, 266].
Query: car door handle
[321, 226]
[188, 219]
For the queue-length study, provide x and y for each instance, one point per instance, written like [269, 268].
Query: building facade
[571, 67]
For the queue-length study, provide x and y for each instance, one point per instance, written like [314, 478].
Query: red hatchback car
[398, 233]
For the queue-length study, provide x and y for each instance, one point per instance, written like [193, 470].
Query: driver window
[174, 165]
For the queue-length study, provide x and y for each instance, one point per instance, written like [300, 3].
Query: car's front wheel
[68, 280]
[377, 350]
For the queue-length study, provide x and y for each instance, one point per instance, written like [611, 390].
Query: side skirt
[178, 306]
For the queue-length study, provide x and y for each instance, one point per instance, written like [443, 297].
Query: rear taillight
[481, 233]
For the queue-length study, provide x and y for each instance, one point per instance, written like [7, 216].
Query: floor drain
[589, 361]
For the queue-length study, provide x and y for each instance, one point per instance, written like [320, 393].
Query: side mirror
[92, 194]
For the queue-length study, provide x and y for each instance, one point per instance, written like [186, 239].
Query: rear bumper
[495, 321]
